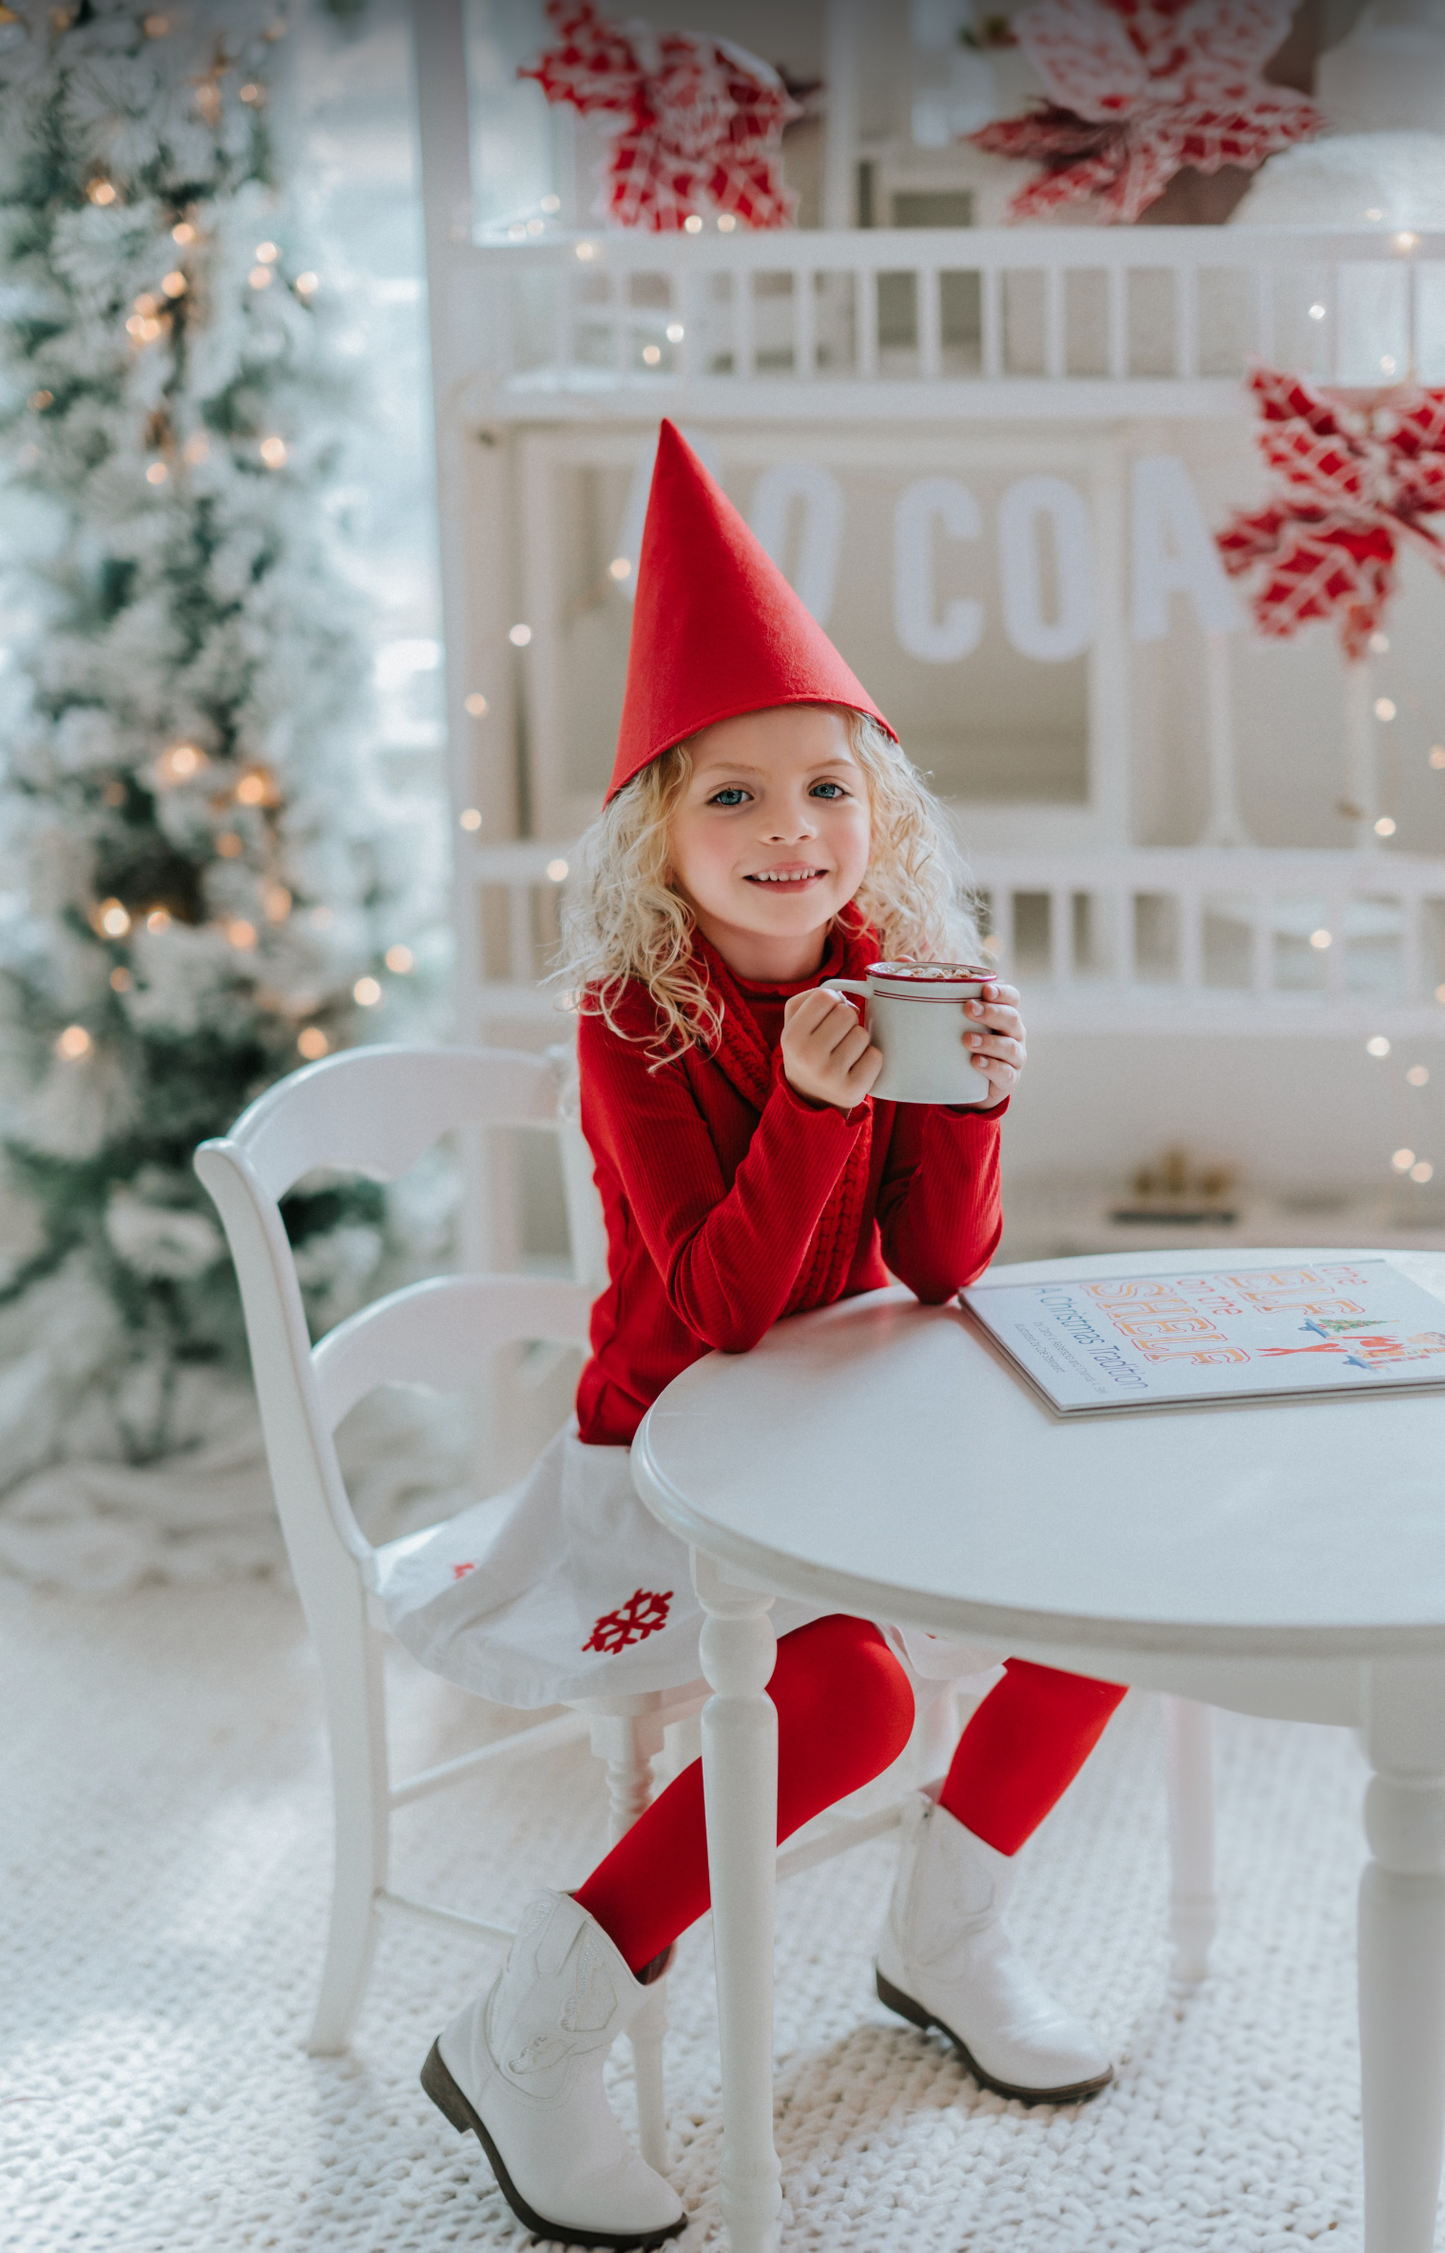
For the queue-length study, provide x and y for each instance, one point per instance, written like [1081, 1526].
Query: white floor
[166, 1850]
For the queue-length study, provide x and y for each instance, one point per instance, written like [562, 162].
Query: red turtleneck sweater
[713, 1204]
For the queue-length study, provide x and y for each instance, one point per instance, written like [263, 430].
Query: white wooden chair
[375, 1111]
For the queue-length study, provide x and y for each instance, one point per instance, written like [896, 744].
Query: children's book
[1239, 1333]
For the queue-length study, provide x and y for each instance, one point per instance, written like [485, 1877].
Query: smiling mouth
[785, 876]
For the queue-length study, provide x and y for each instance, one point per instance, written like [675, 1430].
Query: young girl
[763, 832]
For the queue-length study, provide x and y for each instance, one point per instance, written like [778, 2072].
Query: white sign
[1045, 545]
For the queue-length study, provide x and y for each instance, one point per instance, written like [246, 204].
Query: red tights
[845, 1713]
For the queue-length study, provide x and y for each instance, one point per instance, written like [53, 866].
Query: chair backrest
[372, 1110]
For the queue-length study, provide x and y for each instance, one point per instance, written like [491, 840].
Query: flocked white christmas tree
[197, 901]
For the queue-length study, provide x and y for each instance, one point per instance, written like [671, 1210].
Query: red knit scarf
[743, 1056]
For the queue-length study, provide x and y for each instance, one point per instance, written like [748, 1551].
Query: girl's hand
[996, 1035]
[826, 1053]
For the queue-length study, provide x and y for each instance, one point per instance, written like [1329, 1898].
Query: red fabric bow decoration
[1358, 479]
[1138, 90]
[699, 122]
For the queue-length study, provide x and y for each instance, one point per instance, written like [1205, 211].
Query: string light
[155, 27]
[256, 788]
[113, 919]
[1321, 939]
[557, 871]
[250, 92]
[40, 400]
[1378, 1046]
[619, 568]
[159, 919]
[121, 979]
[267, 254]
[261, 277]
[675, 332]
[1422, 1172]
[73, 1043]
[1403, 1160]
[1384, 827]
[367, 991]
[179, 764]
[586, 250]
[551, 203]
[519, 636]
[726, 224]
[476, 704]
[1405, 240]
[651, 354]
[275, 452]
[145, 305]
[692, 225]
[312, 1042]
[1437, 756]
[1317, 312]
[1379, 643]
[1387, 363]
[400, 959]
[114, 794]
[241, 934]
[183, 232]
[1384, 708]
[157, 474]
[102, 192]
[307, 284]
[277, 903]
[470, 818]
[1418, 1076]
[174, 284]
[197, 449]
[228, 845]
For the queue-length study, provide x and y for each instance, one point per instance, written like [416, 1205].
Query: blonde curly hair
[623, 919]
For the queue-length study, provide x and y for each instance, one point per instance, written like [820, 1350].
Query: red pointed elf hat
[716, 629]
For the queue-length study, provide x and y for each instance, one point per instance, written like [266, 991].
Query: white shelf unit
[1248, 943]
[556, 345]
[887, 323]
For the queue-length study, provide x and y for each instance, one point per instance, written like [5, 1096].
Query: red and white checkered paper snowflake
[1360, 475]
[643, 1614]
[1140, 89]
[698, 122]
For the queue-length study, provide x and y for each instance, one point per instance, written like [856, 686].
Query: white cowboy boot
[946, 1960]
[522, 2066]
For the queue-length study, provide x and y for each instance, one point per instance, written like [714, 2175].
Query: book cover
[1141, 1341]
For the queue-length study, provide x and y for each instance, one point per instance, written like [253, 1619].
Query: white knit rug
[166, 1840]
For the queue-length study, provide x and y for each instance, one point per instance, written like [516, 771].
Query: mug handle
[843, 986]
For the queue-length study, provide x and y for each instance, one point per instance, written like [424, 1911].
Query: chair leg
[351, 1667]
[935, 1733]
[1189, 1766]
[627, 1744]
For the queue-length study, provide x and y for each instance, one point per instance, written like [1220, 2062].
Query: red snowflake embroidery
[459, 1572]
[644, 1612]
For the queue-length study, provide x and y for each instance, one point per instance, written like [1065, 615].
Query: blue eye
[732, 795]
[827, 790]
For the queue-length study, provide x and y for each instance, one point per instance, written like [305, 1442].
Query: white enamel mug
[914, 1013]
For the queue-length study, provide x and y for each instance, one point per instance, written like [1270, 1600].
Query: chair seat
[453, 1542]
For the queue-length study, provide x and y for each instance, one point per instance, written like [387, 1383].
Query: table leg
[740, 1792]
[1189, 1768]
[1402, 1956]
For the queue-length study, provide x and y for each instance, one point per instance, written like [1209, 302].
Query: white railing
[1164, 310]
[1184, 940]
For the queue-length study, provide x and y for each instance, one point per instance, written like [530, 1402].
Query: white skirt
[567, 1587]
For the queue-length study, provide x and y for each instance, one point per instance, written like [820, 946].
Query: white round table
[1285, 1559]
